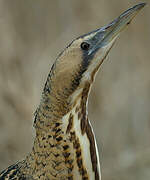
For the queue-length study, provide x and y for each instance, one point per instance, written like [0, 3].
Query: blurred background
[32, 33]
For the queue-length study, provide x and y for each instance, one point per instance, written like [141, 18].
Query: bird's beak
[108, 33]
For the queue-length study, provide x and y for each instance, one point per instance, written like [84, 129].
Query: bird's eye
[85, 46]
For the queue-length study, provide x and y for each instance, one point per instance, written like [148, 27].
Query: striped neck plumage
[64, 146]
[64, 136]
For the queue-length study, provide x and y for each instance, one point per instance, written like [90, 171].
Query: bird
[65, 145]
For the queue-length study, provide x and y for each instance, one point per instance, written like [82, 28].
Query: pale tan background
[32, 33]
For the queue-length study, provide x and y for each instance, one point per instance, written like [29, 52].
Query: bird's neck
[64, 145]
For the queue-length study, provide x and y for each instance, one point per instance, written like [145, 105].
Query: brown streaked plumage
[64, 146]
[70, 124]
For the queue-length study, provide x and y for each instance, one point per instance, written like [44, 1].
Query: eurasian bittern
[65, 146]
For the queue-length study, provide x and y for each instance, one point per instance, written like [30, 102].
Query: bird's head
[78, 63]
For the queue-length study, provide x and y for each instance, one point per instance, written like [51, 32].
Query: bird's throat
[65, 146]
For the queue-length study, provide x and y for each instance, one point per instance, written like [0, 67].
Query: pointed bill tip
[133, 10]
[107, 34]
[114, 28]
[139, 6]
